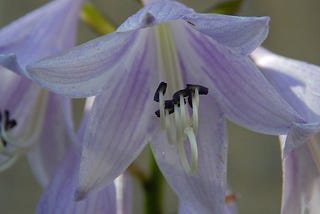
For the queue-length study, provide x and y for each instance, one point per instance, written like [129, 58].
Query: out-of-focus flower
[168, 42]
[59, 195]
[42, 121]
[298, 83]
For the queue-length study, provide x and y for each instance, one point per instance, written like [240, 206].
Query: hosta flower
[33, 120]
[201, 62]
[59, 195]
[298, 84]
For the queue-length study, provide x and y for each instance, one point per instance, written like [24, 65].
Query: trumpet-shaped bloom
[298, 84]
[42, 122]
[202, 63]
[59, 195]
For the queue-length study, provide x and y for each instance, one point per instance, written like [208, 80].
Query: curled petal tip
[79, 195]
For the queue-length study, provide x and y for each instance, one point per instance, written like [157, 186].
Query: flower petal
[241, 34]
[296, 81]
[42, 32]
[59, 197]
[123, 185]
[298, 135]
[54, 137]
[9, 61]
[7, 82]
[301, 178]
[86, 69]
[244, 94]
[154, 13]
[203, 192]
[118, 126]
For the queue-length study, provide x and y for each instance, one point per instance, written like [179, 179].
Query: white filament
[180, 128]
[10, 152]
[161, 107]
[195, 109]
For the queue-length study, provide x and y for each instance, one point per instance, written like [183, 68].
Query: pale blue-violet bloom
[298, 83]
[186, 52]
[33, 120]
[58, 196]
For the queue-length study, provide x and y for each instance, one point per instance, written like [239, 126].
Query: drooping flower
[58, 197]
[298, 83]
[43, 125]
[192, 54]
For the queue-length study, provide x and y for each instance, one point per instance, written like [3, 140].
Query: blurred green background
[254, 165]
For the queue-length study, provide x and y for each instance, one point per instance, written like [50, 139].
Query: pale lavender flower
[298, 83]
[166, 41]
[43, 123]
[59, 195]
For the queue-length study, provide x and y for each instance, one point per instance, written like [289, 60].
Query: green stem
[95, 20]
[153, 190]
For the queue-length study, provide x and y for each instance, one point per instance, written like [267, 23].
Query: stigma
[9, 151]
[179, 118]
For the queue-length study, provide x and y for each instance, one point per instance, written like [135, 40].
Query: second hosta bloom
[202, 60]
[33, 120]
[298, 84]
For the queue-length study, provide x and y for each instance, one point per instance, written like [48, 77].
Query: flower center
[9, 151]
[179, 122]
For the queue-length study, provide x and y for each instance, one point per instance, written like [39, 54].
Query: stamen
[176, 96]
[181, 127]
[202, 90]
[194, 152]
[161, 108]
[183, 113]
[171, 135]
[168, 105]
[159, 97]
[6, 124]
[178, 126]
[195, 109]
[161, 88]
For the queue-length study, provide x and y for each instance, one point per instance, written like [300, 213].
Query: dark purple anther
[202, 90]
[183, 92]
[162, 87]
